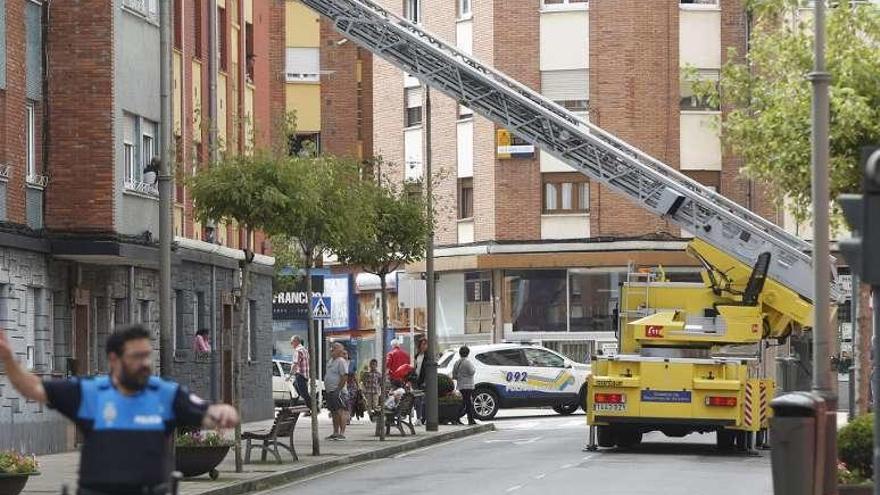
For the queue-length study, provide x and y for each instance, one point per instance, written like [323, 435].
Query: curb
[286, 477]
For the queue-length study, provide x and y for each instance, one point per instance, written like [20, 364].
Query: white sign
[411, 291]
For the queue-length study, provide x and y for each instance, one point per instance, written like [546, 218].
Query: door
[80, 340]
[549, 378]
[227, 353]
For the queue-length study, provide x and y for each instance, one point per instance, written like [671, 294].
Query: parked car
[283, 391]
[515, 375]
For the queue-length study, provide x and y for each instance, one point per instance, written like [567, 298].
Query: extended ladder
[592, 151]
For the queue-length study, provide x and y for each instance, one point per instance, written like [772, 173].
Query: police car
[515, 375]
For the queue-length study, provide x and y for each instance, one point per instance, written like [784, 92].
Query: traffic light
[862, 213]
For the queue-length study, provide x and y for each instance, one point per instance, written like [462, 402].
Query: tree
[239, 188]
[768, 97]
[768, 101]
[319, 209]
[392, 234]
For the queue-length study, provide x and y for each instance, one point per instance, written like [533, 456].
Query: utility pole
[430, 362]
[823, 335]
[165, 178]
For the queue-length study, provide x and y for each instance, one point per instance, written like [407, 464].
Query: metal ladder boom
[594, 152]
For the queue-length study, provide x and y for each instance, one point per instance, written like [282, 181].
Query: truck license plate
[609, 407]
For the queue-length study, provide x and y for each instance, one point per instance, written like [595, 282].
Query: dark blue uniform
[127, 438]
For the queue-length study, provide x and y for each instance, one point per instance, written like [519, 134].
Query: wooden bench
[401, 416]
[282, 428]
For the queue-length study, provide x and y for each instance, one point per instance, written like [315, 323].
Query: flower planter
[450, 412]
[864, 489]
[13, 484]
[196, 461]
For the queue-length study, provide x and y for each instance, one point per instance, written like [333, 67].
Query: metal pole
[214, 350]
[165, 178]
[855, 375]
[823, 335]
[875, 383]
[430, 362]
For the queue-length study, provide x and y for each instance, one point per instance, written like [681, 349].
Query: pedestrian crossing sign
[321, 308]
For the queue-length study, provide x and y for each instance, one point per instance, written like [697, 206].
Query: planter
[864, 489]
[196, 461]
[450, 412]
[13, 484]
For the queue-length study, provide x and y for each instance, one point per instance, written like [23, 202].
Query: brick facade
[12, 118]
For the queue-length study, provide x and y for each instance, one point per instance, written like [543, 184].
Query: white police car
[515, 375]
[283, 391]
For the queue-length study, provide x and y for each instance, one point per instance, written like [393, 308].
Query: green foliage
[288, 261]
[855, 449]
[198, 438]
[768, 97]
[15, 463]
[445, 386]
[392, 230]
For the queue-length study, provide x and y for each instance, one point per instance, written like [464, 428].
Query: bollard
[796, 442]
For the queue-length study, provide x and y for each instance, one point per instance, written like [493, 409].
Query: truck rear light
[609, 398]
[718, 401]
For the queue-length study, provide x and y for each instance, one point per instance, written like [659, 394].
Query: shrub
[444, 385]
[855, 444]
[15, 463]
[200, 439]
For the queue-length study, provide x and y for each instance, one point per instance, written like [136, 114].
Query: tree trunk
[862, 356]
[314, 343]
[381, 336]
[243, 319]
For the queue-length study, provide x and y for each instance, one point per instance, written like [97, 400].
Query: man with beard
[126, 418]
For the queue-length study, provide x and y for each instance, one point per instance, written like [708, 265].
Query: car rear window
[504, 357]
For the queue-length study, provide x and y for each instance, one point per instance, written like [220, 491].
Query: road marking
[566, 466]
[540, 476]
[513, 488]
[515, 441]
[588, 457]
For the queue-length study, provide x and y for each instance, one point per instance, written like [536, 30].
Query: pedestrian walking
[334, 384]
[463, 373]
[370, 379]
[300, 371]
[126, 418]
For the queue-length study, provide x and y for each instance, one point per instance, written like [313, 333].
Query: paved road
[536, 453]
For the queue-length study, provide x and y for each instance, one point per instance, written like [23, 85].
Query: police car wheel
[566, 409]
[485, 404]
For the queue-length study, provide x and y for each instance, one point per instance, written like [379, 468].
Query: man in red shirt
[396, 358]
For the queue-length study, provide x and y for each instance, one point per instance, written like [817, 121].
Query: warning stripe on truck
[747, 405]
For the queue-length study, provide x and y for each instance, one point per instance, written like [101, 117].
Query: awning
[365, 282]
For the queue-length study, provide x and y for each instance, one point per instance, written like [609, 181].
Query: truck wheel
[605, 436]
[627, 438]
[724, 439]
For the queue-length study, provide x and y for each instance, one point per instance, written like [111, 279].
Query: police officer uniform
[126, 448]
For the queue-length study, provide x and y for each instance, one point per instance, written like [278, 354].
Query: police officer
[126, 418]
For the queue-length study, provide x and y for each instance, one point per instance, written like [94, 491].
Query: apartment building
[528, 248]
[79, 124]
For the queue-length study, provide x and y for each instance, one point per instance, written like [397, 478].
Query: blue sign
[321, 308]
[678, 397]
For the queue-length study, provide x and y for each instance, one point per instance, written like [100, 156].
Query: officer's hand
[221, 416]
[5, 347]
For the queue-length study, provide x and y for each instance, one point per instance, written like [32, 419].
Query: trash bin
[793, 428]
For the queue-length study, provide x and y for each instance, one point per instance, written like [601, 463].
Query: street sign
[321, 308]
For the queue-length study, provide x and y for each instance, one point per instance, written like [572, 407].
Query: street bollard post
[798, 435]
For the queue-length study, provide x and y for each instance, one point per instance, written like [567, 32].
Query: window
[31, 150]
[564, 4]
[478, 287]
[148, 148]
[479, 311]
[413, 10]
[144, 317]
[413, 104]
[250, 58]
[223, 28]
[275, 370]
[505, 357]
[147, 8]
[465, 198]
[303, 65]
[543, 359]
[177, 314]
[464, 9]
[197, 23]
[535, 300]
[568, 88]
[689, 101]
[699, 3]
[593, 297]
[444, 361]
[201, 312]
[566, 193]
[120, 311]
[252, 331]
[178, 25]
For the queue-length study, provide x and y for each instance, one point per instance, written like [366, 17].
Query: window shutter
[129, 129]
[34, 55]
[566, 85]
[413, 97]
[303, 64]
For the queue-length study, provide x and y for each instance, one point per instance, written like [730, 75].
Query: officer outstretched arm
[28, 384]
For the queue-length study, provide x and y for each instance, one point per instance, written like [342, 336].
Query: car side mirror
[569, 365]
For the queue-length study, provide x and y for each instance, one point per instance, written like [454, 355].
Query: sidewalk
[359, 446]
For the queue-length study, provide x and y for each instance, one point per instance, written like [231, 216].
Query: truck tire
[724, 439]
[627, 437]
[605, 436]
